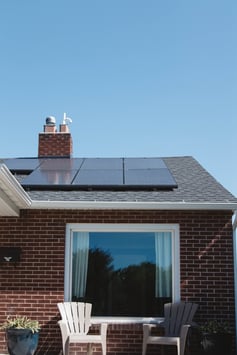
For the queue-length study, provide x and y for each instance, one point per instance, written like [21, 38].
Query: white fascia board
[132, 205]
[235, 220]
[12, 193]
[7, 207]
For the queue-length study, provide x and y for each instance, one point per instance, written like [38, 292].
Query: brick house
[127, 234]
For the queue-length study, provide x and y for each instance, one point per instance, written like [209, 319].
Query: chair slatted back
[77, 315]
[176, 315]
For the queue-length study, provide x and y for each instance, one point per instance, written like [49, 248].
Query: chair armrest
[184, 330]
[103, 329]
[64, 327]
[183, 336]
[147, 330]
[65, 335]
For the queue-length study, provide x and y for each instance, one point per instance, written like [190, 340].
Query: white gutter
[12, 196]
[132, 205]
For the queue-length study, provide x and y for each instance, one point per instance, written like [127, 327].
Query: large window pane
[122, 273]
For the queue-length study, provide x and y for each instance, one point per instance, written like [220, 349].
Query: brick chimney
[53, 143]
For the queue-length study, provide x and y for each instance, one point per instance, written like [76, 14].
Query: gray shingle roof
[195, 185]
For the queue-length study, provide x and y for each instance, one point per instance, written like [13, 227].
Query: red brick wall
[35, 285]
[55, 145]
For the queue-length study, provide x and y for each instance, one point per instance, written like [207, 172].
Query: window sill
[127, 320]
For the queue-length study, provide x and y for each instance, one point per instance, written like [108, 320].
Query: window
[123, 270]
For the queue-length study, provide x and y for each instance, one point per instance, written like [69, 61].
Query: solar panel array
[89, 173]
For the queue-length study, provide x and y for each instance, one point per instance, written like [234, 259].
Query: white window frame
[113, 227]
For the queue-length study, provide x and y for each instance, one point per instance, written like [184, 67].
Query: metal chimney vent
[50, 121]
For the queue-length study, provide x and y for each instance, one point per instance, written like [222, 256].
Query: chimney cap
[50, 121]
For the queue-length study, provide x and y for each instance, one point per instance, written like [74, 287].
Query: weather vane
[66, 119]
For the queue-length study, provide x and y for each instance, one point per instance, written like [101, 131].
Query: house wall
[35, 284]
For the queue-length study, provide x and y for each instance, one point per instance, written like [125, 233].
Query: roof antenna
[66, 119]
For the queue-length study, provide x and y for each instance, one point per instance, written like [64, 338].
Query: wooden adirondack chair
[75, 325]
[177, 320]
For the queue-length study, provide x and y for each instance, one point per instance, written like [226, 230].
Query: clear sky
[137, 77]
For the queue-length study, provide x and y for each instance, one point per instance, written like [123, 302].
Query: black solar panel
[81, 173]
[102, 164]
[49, 178]
[61, 164]
[143, 163]
[150, 177]
[22, 164]
[98, 177]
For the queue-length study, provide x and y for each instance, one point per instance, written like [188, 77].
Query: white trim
[126, 320]
[136, 205]
[99, 227]
[123, 227]
[235, 220]
[12, 196]
[7, 207]
[176, 264]
[67, 263]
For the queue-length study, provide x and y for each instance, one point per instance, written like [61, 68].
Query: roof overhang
[136, 205]
[13, 197]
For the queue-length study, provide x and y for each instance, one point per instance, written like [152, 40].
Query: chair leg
[144, 347]
[89, 349]
[103, 345]
[66, 347]
[179, 348]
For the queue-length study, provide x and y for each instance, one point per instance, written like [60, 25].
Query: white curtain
[163, 249]
[80, 263]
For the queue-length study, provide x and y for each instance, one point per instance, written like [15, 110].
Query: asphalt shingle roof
[195, 185]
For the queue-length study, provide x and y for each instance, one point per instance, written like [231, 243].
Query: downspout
[235, 270]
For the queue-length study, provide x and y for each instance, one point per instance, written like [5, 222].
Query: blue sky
[138, 78]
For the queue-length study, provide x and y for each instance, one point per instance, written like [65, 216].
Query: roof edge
[13, 197]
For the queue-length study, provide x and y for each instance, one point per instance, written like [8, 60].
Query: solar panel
[102, 164]
[22, 164]
[149, 177]
[81, 173]
[98, 177]
[61, 164]
[143, 163]
[49, 178]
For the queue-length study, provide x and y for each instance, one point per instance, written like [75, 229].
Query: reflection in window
[122, 273]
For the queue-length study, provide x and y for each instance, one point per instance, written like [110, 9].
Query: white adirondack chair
[177, 320]
[75, 325]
